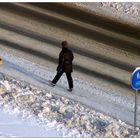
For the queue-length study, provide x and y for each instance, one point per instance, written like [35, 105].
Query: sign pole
[135, 112]
[135, 83]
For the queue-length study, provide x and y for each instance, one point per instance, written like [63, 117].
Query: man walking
[65, 65]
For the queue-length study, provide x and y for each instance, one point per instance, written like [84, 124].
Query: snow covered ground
[27, 111]
[13, 126]
[58, 113]
[129, 12]
[33, 112]
[130, 8]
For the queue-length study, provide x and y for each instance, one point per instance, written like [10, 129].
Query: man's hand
[0, 61]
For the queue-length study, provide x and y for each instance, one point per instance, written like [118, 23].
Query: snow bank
[59, 116]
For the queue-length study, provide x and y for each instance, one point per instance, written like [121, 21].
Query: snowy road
[29, 45]
[34, 38]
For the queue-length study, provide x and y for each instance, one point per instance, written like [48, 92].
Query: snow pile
[66, 116]
[126, 7]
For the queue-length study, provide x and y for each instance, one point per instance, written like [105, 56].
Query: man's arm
[61, 58]
[59, 67]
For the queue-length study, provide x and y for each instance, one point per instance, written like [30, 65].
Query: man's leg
[57, 77]
[70, 80]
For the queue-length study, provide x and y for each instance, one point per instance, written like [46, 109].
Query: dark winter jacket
[65, 60]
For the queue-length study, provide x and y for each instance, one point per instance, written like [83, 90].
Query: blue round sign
[135, 79]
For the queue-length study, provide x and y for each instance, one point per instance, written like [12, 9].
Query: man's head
[64, 44]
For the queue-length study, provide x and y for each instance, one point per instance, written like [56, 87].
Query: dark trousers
[69, 78]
